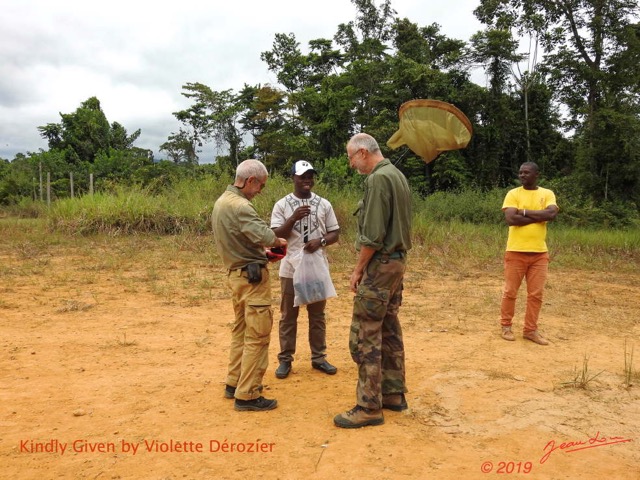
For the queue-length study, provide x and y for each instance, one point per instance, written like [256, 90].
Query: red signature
[592, 442]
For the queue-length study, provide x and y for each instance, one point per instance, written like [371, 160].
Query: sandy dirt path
[113, 359]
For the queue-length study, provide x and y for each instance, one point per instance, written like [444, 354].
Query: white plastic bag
[311, 280]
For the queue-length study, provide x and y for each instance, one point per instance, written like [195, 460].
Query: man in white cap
[307, 221]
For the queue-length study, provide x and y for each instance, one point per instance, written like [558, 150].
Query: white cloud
[135, 56]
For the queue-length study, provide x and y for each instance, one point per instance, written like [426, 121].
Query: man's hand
[312, 245]
[316, 243]
[301, 212]
[285, 229]
[364, 257]
[520, 217]
[355, 279]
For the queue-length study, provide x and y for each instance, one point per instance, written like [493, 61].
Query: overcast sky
[135, 56]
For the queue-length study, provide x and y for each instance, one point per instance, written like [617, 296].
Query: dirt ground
[113, 358]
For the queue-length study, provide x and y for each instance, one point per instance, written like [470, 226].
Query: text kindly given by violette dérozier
[59, 447]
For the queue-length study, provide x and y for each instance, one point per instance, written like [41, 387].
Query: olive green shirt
[384, 214]
[241, 235]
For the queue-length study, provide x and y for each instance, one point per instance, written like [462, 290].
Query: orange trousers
[534, 267]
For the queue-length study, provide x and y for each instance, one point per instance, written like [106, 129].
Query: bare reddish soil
[114, 351]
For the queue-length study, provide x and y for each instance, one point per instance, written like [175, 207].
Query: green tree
[287, 61]
[116, 165]
[181, 148]
[585, 43]
[81, 134]
[84, 142]
[119, 139]
[495, 50]
[213, 116]
[309, 109]
[427, 64]
[16, 180]
[277, 140]
[20, 177]
[378, 62]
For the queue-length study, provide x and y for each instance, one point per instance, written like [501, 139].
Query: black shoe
[283, 370]
[229, 391]
[395, 402]
[325, 367]
[259, 404]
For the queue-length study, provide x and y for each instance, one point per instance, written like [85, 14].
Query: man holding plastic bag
[309, 224]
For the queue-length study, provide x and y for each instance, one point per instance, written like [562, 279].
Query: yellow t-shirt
[528, 238]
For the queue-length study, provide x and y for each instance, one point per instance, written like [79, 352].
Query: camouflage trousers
[375, 340]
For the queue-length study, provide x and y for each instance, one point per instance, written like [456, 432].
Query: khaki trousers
[534, 267]
[249, 351]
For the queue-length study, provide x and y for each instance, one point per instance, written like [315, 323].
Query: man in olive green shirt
[383, 238]
[241, 237]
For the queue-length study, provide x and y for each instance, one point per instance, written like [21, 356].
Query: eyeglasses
[350, 157]
[255, 179]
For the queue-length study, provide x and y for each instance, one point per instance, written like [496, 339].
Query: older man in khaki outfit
[241, 237]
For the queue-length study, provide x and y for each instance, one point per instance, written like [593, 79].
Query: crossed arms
[520, 217]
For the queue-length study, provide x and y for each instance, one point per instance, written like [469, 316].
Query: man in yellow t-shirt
[527, 209]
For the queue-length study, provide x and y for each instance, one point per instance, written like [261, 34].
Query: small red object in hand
[276, 253]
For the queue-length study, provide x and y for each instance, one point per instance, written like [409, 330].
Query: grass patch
[628, 366]
[458, 232]
[74, 306]
[123, 342]
[583, 377]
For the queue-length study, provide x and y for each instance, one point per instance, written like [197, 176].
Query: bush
[185, 204]
[472, 206]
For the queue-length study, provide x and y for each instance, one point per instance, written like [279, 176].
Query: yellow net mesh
[430, 127]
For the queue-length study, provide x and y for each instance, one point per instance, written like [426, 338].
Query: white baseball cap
[301, 167]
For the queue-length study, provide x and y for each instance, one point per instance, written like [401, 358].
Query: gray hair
[251, 168]
[366, 141]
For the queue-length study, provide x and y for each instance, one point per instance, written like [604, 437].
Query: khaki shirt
[241, 235]
[384, 214]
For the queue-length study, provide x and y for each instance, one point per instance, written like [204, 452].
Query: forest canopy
[571, 104]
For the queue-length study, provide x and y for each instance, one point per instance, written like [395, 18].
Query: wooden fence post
[40, 168]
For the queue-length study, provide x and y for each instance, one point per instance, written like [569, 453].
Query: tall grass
[470, 206]
[610, 249]
[184, 208]
[448, 227]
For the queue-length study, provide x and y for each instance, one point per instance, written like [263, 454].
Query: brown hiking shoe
[359, 417]
[535, 337]
[507, 334]
[395, 402]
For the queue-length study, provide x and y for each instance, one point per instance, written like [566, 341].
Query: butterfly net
[430, 127]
